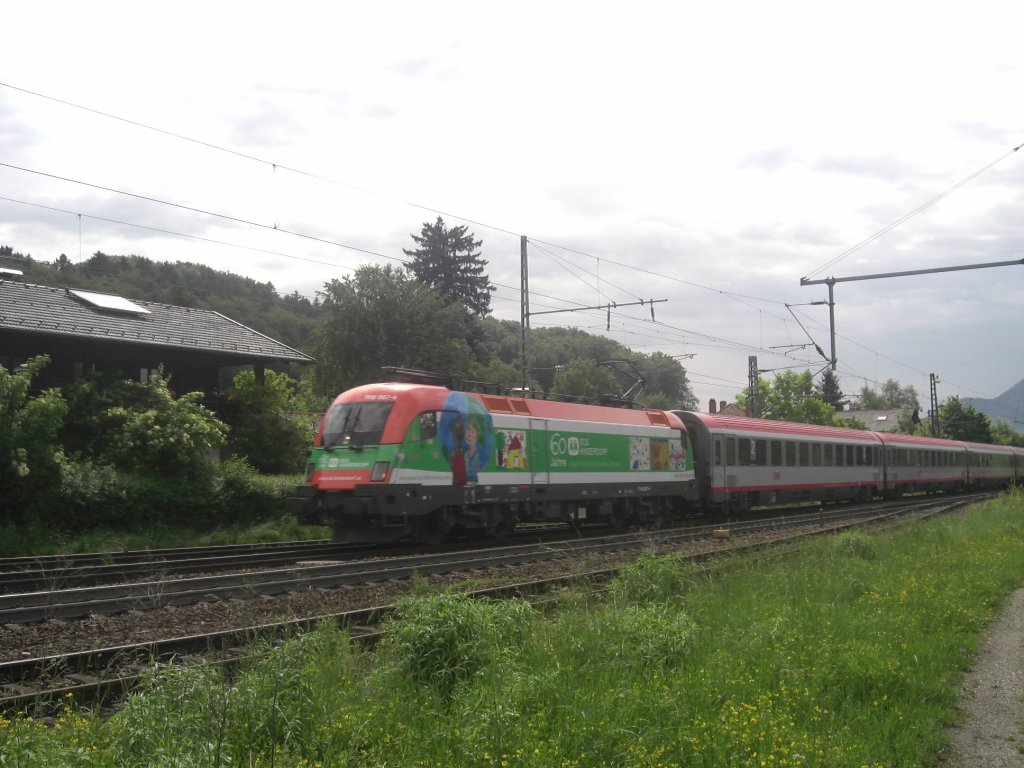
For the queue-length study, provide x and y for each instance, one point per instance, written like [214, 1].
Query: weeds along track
[98, 669]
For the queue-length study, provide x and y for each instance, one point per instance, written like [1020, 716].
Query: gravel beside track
[18, 641]
[992, 697]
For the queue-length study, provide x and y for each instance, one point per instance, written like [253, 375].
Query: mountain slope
[1009, 406]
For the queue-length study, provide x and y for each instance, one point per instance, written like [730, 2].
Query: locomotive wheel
[434, 528]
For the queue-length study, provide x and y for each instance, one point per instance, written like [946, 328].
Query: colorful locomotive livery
[399, 461]
[402, 461]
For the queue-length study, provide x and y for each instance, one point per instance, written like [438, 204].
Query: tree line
[797, 396]
[432, 313]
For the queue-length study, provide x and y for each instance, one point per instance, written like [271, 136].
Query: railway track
[325, 568]
[59, 572]
[107, 671]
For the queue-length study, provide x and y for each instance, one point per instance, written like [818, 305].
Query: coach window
[730, 451]
[790, 454]
[760, 457]
[805, 457]
[850, 461]
[745, 446]
[718, 453]
[816, 454]
[830, 459]
[776, 453]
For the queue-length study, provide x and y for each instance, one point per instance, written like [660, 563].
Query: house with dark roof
[887, 420]
[85, 331]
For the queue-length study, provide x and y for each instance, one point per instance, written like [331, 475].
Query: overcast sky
[707, 154]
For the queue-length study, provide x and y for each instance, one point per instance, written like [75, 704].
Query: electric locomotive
[413, 461]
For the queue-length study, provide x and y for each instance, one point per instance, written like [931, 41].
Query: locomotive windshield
[354, 425]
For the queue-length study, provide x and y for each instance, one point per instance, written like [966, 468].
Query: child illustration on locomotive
[467, 437]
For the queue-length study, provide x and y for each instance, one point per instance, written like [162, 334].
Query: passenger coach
[743, 462]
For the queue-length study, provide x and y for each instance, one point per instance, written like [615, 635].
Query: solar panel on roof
[108, 301]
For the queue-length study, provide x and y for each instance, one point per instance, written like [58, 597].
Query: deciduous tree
[382, 316]
[791, 396]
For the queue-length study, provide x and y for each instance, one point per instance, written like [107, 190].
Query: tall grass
[845, 654]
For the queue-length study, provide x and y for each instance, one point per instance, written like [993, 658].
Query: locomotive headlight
[380, 471]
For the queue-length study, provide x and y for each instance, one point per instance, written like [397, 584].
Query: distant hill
[1009, 406]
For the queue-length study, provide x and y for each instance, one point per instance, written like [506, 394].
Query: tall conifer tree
[448, 260]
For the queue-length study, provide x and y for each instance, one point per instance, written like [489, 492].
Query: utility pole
[831, 281]
[524, 304]
[753, 407]
[525, 313]
[934, 412]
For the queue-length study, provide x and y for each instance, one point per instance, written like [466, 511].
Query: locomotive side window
[776, 453]
[355, 424]
[428, 425]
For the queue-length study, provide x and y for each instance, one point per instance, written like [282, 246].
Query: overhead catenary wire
[275, 166]
[247, 222]
[891, 226]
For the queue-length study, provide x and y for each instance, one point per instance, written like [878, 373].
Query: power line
[740, 298]
[281, 167]
[177, 234]
[886, 229]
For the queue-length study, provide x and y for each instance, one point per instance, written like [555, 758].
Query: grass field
[847, 653]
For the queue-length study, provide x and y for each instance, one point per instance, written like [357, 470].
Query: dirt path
[991, 734]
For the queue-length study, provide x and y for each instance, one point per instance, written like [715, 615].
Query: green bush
[854, 544]
[30, 454]
[163, 434]
[653, 579]
[443, 640]
[260, 431]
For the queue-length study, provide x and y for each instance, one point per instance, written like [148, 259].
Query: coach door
[718, 466]
[537, 453]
